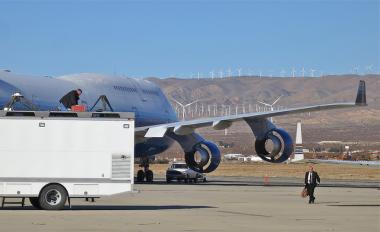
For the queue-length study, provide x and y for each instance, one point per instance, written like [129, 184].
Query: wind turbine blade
[266, 104]
[191, 103]
[277, 100]
[178, 102]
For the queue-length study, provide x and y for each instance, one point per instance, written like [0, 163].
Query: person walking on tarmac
[311, 179]
[70, 99]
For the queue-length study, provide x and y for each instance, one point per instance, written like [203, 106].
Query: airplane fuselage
[142, 97]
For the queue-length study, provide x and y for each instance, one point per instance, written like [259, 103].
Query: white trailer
[50, 157]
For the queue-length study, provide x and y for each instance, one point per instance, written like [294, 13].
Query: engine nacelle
[281, 146]
[204, 158]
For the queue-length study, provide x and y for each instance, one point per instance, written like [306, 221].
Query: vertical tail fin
[361, 99]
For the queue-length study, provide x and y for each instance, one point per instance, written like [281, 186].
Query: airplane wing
[223, 122]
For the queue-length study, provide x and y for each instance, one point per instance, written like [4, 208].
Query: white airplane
[232, 156]
[157, 125]
[255, 158]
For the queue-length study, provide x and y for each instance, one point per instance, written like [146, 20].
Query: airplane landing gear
[146, 174]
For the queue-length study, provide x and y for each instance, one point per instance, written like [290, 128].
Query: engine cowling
[281, 146]
[204, 158]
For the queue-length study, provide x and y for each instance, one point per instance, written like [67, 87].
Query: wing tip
[361, 98]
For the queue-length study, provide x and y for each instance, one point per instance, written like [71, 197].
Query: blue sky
[182, 38]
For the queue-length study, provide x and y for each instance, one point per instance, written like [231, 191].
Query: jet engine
[204, 158]
[275, 147]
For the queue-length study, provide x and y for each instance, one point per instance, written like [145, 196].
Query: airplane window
[125, 89]
[150, 92]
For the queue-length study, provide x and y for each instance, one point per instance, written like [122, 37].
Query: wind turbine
[356, 70]
[312, 72]
[212, 74]
[271, 106]
[239, 71]
[221, 74]
[303, 72]
[369, 68]
[321, 73]
[250, 71]
[282, 73]
[184, 107]
[229, 71]
[293, 72]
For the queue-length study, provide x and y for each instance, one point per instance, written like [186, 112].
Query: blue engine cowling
[282, 145]
[204, 158]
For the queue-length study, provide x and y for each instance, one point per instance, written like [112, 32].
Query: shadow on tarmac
[117, 207]
[357, 205]
[273, 183]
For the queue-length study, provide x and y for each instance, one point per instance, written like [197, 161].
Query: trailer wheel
[149, 176]
[140, 176]
[34, 201]
[52, 197]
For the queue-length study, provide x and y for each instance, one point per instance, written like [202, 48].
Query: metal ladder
[3, 202]
[105, 103]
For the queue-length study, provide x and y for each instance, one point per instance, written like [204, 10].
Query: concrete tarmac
[208, 207]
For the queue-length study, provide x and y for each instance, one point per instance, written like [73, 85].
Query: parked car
[180, 171]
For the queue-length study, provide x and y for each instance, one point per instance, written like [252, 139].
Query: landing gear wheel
[187, 179]
[149, 176]
[168, 180]
[34, 201]
[140, 176]
[53, 197]
[195, 180]
[204, 179]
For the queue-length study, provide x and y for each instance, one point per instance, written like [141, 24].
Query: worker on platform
[70, 99]
[311, 179]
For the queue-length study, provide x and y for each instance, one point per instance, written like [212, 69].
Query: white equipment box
[51, 157]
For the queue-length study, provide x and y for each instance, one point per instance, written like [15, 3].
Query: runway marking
[310, 219]
[151, 223]
[38, 224]
[241, 213]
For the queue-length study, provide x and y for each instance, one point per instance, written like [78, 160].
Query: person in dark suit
[311, 179]
[70, 99]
